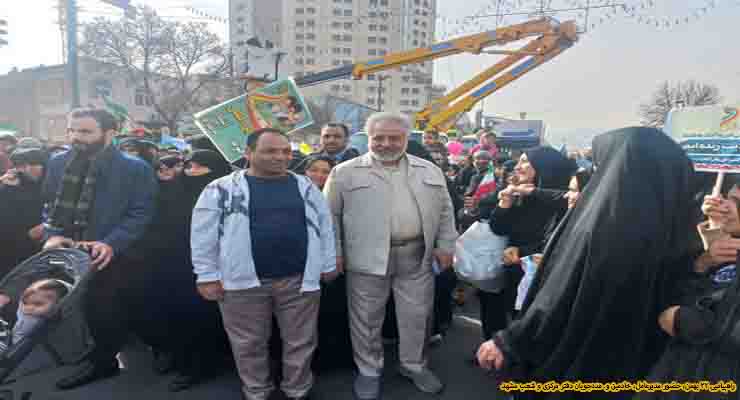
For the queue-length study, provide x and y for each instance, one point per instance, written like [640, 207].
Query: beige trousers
[247, 316]
[413, 292]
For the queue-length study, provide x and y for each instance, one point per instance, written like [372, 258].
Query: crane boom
[552, 39]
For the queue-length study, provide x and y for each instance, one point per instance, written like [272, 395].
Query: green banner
[278, 105]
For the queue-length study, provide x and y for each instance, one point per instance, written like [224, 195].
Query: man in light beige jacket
[393, 219]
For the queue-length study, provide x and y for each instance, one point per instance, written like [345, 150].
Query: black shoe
[306, 397]
[87, 373]
[163, 362]
[182, 382]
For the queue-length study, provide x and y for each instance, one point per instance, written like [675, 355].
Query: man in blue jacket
[103, 200]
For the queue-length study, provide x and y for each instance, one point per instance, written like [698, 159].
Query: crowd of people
[292, 266]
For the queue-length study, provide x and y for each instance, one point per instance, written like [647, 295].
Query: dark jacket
[20, 211]
[124, 202]
[529, 224]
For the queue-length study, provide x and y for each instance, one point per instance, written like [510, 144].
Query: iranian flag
[487, 184]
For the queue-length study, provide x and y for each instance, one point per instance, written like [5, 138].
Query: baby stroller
[61, 334]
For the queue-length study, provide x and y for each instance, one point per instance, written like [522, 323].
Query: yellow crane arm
[475, 44]
[441, 113]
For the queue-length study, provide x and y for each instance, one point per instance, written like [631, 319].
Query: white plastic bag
[530, 268]
[479, 254]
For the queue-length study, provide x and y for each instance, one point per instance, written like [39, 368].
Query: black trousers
[497, 309]
[106, 310]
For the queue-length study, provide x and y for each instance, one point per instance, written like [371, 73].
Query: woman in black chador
[607, 273]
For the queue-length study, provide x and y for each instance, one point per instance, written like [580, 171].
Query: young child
[36, 303]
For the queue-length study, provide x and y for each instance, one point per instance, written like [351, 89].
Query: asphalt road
[450, 360]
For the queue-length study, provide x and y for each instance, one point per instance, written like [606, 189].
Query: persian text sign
[278, 105]
[710, 135]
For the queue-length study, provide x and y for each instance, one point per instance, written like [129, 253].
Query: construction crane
[551, 39]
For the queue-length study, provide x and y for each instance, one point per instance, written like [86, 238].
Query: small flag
[119, 111]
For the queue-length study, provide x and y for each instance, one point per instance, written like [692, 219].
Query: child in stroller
[47, 289]
[37, 303]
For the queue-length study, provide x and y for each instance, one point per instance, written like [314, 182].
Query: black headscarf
[219, 167]
[553, 168]
[592, 311]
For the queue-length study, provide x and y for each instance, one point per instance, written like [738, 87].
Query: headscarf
[554, 170]
[592, 310]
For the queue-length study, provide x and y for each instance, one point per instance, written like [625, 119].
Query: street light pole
[72, 67]
[278, 56]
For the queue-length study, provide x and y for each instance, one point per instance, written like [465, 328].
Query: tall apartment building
[316, 35]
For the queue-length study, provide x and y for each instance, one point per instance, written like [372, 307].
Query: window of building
[424, 13]
[370, 100]
[310, 61]
[372, 27]
[347, 38]
[414, 102]
[372, 14]
[424, 34]
[383, 2]
[404, 102]
[383, 40]
[372, 39]
[310, 10]
[299, 61]
[336, 38]
[240, 19]
[384, 15]
[335, 62]
[336, 25]
[299, 49]
[347, 51]
[415, 91]
[298, 36]
[310, 49]
[405, 78]
[337, 12]
[423, 24]
[415, 43]
[334, 88]
[299, 11]
[142, 98]
[241, 7]
[371, 88]
[371, 77]
[347, 1]
[348, 25]
[405, 90]
[311, 23]
[299, 24]
[347, 88]
[347, 13]
[373, 3]
[372, 52]
[310, 36]
[336, 50]
[383, 28]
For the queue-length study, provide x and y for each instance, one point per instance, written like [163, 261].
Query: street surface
[451, 361]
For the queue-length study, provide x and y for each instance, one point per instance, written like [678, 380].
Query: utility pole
[381, 78]
[278, 56]
[73, 73]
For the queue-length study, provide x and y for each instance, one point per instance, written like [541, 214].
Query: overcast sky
[596, 85]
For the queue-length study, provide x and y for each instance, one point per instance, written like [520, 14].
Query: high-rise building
[316, 35]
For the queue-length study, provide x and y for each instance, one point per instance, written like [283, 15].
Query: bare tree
[669, 96]
[174, 62]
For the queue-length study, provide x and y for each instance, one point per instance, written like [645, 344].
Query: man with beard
[393, 217]
[104, 201]
[20, 195]
[334, 142]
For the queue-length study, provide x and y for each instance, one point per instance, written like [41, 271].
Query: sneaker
[366, 387]
[425, 380]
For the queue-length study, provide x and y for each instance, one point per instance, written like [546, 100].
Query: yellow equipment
[552, 38]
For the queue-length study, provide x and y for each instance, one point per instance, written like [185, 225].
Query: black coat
[20, 210]
[707, 342]
[591, 313]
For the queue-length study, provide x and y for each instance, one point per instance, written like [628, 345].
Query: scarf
[70, 211]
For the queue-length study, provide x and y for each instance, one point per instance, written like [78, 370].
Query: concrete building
[315, 35]
[37, 100]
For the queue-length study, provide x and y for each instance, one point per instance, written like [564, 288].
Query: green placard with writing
[278, 105]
